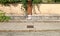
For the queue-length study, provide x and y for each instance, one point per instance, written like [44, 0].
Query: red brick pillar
[29, 8]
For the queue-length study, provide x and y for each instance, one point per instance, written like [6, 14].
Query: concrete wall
[44, 9]
[12, 8]
[48, 9]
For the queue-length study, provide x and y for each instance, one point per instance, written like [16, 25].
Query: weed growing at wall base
[4, 18]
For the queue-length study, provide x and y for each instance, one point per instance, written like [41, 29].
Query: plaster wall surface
[44, 9]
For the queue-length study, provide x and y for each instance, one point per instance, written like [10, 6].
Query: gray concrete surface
[37, 23]
[23, 25]
[47, 33]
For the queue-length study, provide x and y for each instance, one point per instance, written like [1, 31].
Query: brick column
[29, 8]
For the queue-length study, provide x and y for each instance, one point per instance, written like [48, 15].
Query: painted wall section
[44, 9]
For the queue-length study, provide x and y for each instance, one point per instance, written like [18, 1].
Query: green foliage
[9, 1]
[3, 17]
[57, 0]
[36, 1]
[16, 1]
[24, 2]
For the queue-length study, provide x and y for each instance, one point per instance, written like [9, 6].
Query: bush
[4, 18]
[9, 1]
[57, 0]
[7, 18]
[36, 1]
